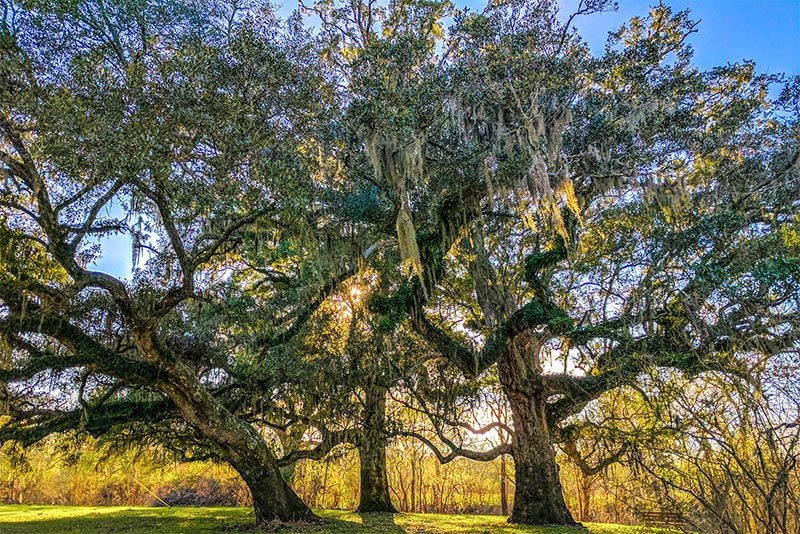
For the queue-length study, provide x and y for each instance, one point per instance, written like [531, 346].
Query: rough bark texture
[273, 498]
[372, 454]
[538, 496]
[240, 444]
[246, 451]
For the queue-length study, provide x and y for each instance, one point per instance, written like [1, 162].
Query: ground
[23, 519]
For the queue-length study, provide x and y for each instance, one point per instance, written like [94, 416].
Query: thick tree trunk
[372, 454]
[239, 443]
[273, 498]
[245, 450]
[538, 496]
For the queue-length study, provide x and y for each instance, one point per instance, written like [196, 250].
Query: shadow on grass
[341, 522]
[20, 519]
[133, 520]
[383, 523]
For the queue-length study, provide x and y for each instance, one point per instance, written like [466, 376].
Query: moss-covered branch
[83, 349]
[33, 426]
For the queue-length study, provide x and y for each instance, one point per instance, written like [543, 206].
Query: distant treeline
[57, 472]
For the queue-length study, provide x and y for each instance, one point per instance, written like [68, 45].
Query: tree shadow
[380, 522]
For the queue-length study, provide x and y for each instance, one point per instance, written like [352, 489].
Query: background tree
[732, 470]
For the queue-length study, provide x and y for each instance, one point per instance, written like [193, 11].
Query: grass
[25, 519]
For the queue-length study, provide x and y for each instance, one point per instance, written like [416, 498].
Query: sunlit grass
[18, 519]
[129, 519]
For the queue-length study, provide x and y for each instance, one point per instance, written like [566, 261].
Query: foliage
[63, 471]
[732, 449]
[327, 221]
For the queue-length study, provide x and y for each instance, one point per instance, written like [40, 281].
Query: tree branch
[456, 452]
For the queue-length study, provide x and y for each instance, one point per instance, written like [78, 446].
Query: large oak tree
[506, 149]
[180, 125]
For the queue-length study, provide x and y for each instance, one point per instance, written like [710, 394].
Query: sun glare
[355, 293]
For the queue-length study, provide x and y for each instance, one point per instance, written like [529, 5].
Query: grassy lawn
[19, 519]
[16, 519]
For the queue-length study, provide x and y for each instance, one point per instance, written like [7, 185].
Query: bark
[372, 454]
[585, 496]
[239, 443]
[503, 485]
[538, 496]
[273, 498]
[5, 399]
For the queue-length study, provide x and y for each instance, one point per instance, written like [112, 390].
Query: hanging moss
[525, 165]
[406, 237]
[399, 160]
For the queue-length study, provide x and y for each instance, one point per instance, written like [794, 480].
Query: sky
[765, 31]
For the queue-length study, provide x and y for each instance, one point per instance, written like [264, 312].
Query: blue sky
[766, 31]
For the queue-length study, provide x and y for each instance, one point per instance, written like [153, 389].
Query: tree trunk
[5, 399]
[538, 496]
[503, 485]
[413, 483]
[239, 443]
[585, 495]
[273, 498]
[372, 454]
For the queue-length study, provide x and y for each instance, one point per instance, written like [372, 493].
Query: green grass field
[22, 519]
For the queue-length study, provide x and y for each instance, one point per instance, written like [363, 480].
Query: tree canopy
[397, 199]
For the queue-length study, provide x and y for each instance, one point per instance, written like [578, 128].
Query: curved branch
[459, 452]
[85, 350]
[329, 441]
[96, 419]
